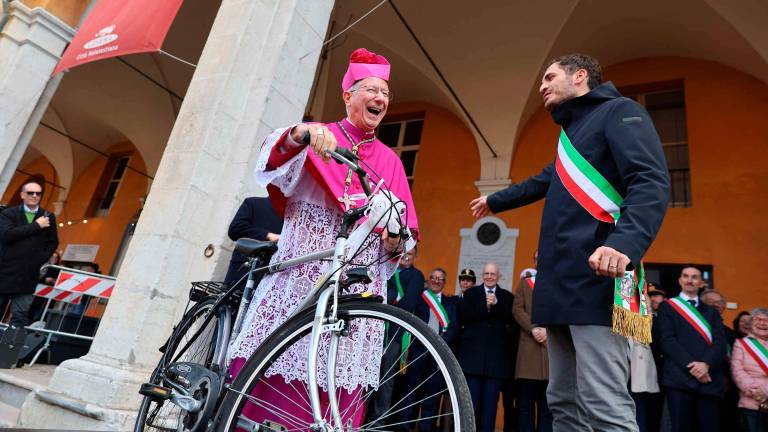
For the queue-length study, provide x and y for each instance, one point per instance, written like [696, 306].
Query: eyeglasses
[34, 193]
[373, 91]
[437, 279]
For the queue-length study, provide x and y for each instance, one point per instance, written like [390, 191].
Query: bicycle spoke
[296, 421]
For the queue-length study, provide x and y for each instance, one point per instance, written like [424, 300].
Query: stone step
[15, 384]
[9, 415]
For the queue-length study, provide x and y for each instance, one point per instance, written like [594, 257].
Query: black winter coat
[24, 248]
[682, 344]
[486, 336]
[616, 135]
[254, 219]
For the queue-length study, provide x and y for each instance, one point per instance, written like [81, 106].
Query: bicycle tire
[186, 326]
[234, 400]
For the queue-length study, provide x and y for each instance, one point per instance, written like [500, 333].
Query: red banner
[120, 27]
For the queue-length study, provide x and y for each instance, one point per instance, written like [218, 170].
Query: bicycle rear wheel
[432, 375]
[162, 415]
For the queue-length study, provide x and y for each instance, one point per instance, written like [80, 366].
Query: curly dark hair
[573, 62]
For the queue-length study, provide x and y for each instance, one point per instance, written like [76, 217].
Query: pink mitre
[364, 64]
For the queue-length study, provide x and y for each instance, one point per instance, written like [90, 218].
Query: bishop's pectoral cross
[347, 200]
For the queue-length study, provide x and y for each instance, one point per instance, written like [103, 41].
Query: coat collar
[577, 107]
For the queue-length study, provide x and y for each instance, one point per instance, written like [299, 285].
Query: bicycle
[189, 389]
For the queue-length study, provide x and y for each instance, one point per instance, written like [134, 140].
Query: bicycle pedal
[155, 391]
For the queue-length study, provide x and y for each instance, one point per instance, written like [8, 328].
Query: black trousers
[20, 304]
[691, 411]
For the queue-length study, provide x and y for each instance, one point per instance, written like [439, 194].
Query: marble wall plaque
[489, 240]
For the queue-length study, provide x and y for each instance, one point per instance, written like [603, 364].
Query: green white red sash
[436, 307]
[757, 351]
[631, 317]
[531, 281]
[694, 318]
[400, 291]
[587, 186]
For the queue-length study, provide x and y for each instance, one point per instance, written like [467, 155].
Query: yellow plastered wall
[68, 11]
[107, 232]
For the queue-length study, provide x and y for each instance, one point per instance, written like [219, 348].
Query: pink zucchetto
[364, 64]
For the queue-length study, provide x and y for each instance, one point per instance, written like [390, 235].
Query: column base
[86, 394]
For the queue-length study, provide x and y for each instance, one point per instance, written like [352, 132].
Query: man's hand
[479, 207]
[274, 238]
[608, 262]
[320, 138]
[699, 370]
[705, 379]
[539, 334]
[391, 244]
[43, 221]
[490, 300]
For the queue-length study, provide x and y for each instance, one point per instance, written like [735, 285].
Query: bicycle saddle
[252, 248]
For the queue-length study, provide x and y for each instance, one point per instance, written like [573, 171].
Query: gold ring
[612, 266]
[319, 131]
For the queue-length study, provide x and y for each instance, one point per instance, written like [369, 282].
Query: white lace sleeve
[286, 176]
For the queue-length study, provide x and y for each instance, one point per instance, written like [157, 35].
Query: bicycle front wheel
[420, 382]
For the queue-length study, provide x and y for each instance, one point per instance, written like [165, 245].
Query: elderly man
[403, 290]
[27, 240]
[693, 341]
[606, 195]
[485, 345]
[311, 194]
[421, 383]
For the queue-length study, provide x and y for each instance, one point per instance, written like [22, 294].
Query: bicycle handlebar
[344, 156]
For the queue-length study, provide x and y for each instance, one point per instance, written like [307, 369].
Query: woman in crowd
[741, 324]
[749, 365]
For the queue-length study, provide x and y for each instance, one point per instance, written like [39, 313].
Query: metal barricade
[76, 293]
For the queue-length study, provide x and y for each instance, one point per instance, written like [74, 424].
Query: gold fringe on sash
[632, 325]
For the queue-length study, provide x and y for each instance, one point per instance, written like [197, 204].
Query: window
[404, 137]
[106, 191]
[665, 103]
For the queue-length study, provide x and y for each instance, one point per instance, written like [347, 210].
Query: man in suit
[419, 372]
[693, 342]
[404, 289]
[27, 239]
[606, 195]
[256, 219]
[484, 349]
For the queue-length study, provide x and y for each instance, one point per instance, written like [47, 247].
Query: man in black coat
[256, 219]
[693, 377]
[404, 291]
[484, 349]
[420, 382]
[582, 247]
[27, 240]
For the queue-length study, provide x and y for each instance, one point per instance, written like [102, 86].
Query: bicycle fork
[330, 324]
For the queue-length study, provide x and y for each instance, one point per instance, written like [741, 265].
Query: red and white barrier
[70, 287]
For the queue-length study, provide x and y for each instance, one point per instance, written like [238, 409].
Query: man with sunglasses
[27, 239]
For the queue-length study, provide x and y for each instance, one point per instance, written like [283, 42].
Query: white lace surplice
[312, 220]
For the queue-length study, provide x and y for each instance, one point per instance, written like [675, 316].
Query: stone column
[251, 78]
[30, 45]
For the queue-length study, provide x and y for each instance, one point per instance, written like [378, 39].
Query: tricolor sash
[693, 316]
[531, 281]
[400, 291]
[757, 351]
[436, 307]
[600, 199]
